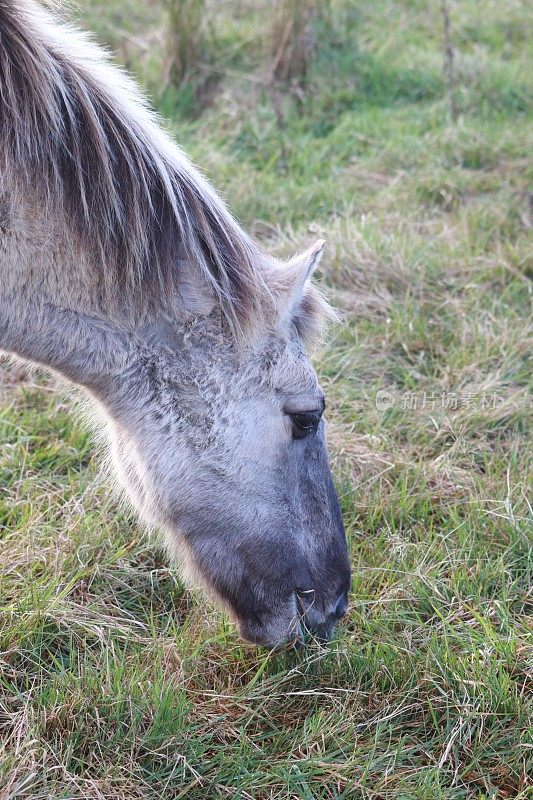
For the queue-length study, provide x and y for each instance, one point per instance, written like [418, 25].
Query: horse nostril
[341, 607]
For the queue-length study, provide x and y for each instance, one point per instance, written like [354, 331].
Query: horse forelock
[76, 130]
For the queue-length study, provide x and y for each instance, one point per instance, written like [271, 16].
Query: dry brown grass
[293, 40]
[185, 42]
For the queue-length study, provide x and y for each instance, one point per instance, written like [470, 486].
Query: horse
[123, 272]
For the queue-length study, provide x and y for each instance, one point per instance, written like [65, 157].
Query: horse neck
[43, 260]
[55, 307]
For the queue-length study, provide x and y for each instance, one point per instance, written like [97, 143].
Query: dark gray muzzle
[319, 624]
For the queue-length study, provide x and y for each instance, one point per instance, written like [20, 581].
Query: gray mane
[76, 132]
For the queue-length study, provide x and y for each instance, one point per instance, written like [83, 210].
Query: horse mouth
[315, 621]
[311, 628]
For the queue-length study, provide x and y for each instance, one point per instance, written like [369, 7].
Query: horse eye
[304, 423]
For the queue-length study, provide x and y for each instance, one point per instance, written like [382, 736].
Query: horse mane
[77, 130]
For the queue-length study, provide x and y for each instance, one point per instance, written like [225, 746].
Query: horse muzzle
[317, 621]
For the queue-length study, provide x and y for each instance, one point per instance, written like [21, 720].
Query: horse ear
[295, 275]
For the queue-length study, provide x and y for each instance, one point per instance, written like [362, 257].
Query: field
[115, 682]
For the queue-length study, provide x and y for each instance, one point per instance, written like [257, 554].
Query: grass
[114, 681]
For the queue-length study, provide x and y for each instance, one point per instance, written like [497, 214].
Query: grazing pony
[123, 271]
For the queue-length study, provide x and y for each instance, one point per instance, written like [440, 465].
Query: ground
[114, 681]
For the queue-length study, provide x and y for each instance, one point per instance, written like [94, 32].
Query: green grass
[114, 681]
